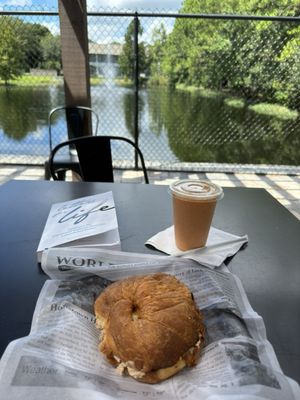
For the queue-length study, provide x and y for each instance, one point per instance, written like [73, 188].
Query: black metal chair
[93, 158]
[77, 118]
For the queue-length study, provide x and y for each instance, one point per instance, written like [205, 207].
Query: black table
[269, 266]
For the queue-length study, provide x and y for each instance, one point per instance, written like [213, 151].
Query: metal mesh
[207, 90]
[33, 85]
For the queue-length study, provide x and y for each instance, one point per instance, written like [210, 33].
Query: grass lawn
[44, 80]
[274, 110]
[269, 109]
[32, 80]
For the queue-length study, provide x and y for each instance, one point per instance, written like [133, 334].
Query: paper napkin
[219, 246]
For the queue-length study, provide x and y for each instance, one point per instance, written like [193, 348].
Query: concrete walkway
[285, 188]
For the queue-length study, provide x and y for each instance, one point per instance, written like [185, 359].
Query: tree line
[256, 60]
[24, 46]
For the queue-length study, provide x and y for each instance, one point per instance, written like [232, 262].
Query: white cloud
[52, 26]
[155, 23]
[16, 3]
[133, 5]
[154, 5]
[110, 29]
[113, 29]
[106, 29]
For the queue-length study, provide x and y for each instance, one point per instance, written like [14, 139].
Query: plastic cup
[194, 203]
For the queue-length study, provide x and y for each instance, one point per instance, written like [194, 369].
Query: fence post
[136, 86]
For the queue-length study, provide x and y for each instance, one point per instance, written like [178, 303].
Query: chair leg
[47, 174]
[61, 174]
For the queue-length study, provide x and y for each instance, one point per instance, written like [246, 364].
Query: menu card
[86, 221]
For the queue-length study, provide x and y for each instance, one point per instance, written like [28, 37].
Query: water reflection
[23, 119]
[205, 129]
[20, 110]
[129, 111]
[174, 125]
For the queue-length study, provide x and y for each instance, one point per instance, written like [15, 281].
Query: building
[104, 58]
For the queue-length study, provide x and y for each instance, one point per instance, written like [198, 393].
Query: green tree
[22, 47]
[51, 53]
[248, 58]
[192, 43]
[156, 53]
[33, 34]
[12, 50]
[289, 61]
[127, 57]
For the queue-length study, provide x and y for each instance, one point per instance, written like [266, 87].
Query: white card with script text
[86, 221]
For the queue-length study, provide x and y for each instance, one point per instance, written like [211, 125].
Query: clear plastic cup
[194, 203]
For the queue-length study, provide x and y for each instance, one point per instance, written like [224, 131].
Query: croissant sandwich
[150, 326]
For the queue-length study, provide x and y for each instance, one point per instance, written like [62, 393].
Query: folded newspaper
[60, 357]
[86, 221]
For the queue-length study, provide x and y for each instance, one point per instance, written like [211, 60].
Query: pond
[174, 125]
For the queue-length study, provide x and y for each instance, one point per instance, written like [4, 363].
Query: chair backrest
[76, 117]
[93, 154]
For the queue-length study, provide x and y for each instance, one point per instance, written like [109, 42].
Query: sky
[110, 29]
[159, 5]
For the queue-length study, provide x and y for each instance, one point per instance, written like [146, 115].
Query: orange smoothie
[194, 203]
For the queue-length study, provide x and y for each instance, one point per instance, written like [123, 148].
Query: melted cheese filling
[162, 373]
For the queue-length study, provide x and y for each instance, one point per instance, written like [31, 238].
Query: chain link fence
[190, 89]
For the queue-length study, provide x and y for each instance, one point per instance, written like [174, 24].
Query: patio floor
[285, 188]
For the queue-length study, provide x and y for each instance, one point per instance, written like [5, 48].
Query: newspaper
[60, 357]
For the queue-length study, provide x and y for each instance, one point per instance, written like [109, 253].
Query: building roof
[113, 49]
